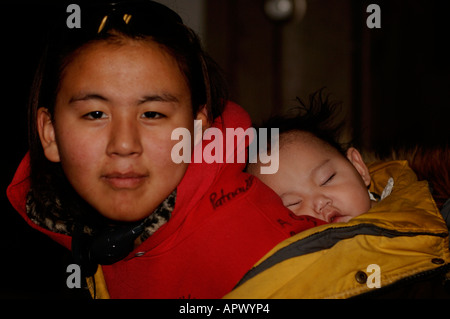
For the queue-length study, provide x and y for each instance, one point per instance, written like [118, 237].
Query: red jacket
[224, 221]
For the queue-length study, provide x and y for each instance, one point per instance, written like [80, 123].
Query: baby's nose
[320, 204]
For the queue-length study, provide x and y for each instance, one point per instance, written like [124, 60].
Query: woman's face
[114, 115]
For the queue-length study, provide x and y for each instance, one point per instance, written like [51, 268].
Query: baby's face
[314, 179]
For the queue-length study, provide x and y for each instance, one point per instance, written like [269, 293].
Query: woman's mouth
[124, 181]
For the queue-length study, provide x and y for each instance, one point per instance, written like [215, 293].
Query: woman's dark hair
[116, 22]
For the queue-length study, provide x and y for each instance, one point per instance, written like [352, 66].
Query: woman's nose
[125, 139]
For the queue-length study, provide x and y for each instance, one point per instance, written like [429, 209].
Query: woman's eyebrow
[164, 97]
[87, 97]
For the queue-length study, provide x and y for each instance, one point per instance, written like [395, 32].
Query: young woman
[99, 177]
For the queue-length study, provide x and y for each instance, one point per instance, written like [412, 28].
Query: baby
[316, 177]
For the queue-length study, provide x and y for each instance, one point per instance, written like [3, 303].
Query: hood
[197, 180]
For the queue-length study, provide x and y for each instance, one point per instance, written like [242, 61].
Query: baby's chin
[341, 219]
[344, 218]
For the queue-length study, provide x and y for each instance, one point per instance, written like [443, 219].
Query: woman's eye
[152, 115]
[96, 115]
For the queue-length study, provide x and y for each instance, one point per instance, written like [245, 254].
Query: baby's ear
[354, 156]
[47, 135]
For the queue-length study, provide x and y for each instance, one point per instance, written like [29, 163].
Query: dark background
[393, 82]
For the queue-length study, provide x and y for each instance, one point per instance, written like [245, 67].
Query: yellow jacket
[401, 240]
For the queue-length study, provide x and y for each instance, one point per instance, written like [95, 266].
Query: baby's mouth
[333, 217]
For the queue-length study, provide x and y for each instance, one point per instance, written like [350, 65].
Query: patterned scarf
[57, 215]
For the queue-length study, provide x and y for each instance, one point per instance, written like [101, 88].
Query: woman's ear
[46, 132]
[354, 156]
[202, 115]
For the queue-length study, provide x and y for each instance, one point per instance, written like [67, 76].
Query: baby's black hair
[317, 116]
